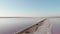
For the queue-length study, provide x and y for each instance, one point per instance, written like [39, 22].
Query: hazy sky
[29, 8]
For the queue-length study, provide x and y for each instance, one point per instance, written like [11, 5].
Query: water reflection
[56, 25]
[12, 25]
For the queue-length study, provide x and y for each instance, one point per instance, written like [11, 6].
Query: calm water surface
[56, 25]
[12, 25]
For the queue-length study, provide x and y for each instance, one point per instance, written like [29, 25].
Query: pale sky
[29, 8]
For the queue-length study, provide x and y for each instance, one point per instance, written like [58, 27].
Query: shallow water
[55, 25]
[55, 29]
[12, 25]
